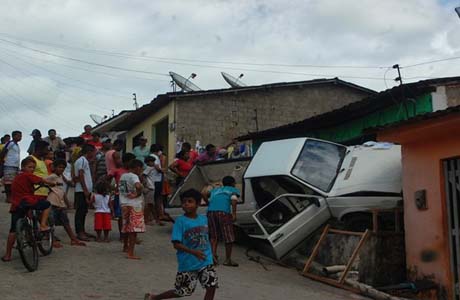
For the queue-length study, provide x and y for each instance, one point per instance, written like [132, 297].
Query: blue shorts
[117, 206]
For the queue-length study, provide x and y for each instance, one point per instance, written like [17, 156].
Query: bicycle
[30, 239]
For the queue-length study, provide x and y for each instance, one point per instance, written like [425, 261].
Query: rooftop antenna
[97, 118]
[185, 84]
[232, 81]
[399, 78]
[136, 106]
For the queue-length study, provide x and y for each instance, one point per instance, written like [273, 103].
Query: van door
[289, 218]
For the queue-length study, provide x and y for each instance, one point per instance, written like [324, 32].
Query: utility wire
[34, 108]
[68, 84]
[30, 74]
[83, 61]
[196, 65]
[172, 59]
[431, 62]
[87, 70]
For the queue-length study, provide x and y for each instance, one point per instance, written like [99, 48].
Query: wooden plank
[353, 256]
[331, 282]
[375, 220]
[315, 250]
[345, 232]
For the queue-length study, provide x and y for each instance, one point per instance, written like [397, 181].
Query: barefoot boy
[57, 199]
[221, 215]
[132, 206]
[194, 256]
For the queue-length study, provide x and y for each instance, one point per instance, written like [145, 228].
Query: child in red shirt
[22, 194]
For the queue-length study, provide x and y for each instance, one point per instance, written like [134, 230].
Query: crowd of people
[130, 188]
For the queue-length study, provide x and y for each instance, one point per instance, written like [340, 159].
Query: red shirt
[193, 155]
[183, 167]
[22, 188]
[97, 145]
[86, 136]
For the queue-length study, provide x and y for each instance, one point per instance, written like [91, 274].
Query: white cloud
[320, 32]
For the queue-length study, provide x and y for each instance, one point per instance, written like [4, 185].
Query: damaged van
[292, 187]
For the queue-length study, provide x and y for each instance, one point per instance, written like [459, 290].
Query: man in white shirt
[56, 143]
[157, 176]
[83, 189]
[11, 160]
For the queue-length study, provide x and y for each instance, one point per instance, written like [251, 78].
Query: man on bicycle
[22, 197]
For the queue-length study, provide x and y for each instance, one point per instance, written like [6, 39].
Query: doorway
[451, 181]
[160, 134]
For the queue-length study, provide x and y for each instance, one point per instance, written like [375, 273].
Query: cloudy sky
[61, 60]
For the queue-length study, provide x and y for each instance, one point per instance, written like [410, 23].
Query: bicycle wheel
[26, 244]
[45, 242]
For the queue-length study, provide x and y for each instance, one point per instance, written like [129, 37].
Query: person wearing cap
[56, 143]
[36, 136]
[141, 151]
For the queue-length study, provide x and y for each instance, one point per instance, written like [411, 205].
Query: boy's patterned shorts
[186, 281]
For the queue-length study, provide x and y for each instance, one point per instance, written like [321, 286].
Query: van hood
[369, 170]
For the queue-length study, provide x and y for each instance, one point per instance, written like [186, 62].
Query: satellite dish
[97, 118]
[234, 82]
[185, 84]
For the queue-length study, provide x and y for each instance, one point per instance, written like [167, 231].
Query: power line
[88, 70]
[29, 73]
[83, 61]
[195, 65]
[65, 83]
[172, 59]
[35, 108]
[431, 62]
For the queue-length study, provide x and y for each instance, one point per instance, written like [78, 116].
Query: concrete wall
[453, 95]
[424, 146]
[146, 127]
[218, 118]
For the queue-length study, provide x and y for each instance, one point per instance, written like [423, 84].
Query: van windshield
[319, 163]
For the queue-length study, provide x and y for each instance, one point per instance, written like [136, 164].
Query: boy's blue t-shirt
[221, 198]
[193, 234]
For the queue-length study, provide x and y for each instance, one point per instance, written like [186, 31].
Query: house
[431, 175]
[217, 116]
[347, 125]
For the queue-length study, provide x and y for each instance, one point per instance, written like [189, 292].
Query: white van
[291, 187]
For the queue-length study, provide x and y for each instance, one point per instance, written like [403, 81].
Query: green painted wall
[355, 128]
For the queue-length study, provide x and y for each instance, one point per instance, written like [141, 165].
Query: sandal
[230, 263]
[4, 259]
[83, 238]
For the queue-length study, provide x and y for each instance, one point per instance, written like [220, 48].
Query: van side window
[268, 188]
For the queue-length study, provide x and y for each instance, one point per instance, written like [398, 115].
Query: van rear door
[290, 218]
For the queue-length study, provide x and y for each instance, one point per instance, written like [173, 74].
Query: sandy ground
[101, 271]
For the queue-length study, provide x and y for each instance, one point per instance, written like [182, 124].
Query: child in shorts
[22, 196]
[194, 255]
[57, 198]
[221, 215]
[116, 174]
[102, 211]
[132, 206]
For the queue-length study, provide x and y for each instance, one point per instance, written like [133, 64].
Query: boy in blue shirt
[194, 256]
[221, 215]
